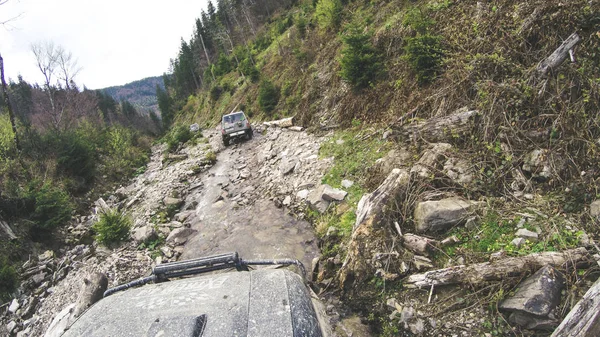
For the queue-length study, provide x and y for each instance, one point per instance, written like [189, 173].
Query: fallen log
[584, 319]
[559, 56]
[419, 244]
[7, 230]
[497, 270]
[282, 123]
[441, 129]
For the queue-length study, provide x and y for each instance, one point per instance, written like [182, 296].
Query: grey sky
[115, 41]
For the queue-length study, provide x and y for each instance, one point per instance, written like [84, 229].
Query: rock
[472, 223]
[434, 216]
[422, 263]
[315, 200]
[392, 303]
[14, 306]
[287, 201]
[431, 160]
[37, 279]
[195, 127]
[144, 234]
[167, 252]
[11, 326]
[333, 194]
[302, 194]
[406, 314]
[61, 322]
[535, 299]
[459, 170]
[47, 255]
[543, 164]
[387, 134]
[595, 210]
[347, 183]
[527, 235]
[518, 242]
[417, 327]
[180, 235]
[174, 202]
[418, 244]
[287, 166]
[340, 141]
[93, 289]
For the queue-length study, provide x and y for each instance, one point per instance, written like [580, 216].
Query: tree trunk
[584, 319]
[11, 115]
[372, 235]
[512, 267]
[207, 58]
[559, 56]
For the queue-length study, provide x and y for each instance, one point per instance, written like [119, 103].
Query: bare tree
[54, 61]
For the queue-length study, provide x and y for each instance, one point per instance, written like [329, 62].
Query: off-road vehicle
[235, 125]
[261, 303]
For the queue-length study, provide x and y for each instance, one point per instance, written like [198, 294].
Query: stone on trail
[535, 299]
[11, 326]
[315, 200]
[93, 290]
[347, 183]
[434, 216]
[170, 201]
[302, 194]
[14, 306]
[194, 127]
[287, 201]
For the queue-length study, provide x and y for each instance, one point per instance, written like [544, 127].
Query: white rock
[11, 326]
[302, 194]
[287, 201]
[518, 242]
[347, 183]
[527, 234]
[14, 306]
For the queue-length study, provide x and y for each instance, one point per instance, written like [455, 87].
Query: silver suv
[235, 125]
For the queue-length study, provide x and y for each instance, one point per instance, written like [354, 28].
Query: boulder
[333, 194]
[287, 166]
[535, 299]
[61, 322]
[179, 235]
[93, 290]
[11, 326]
[144, 234]
[195, 127]
[434, 216]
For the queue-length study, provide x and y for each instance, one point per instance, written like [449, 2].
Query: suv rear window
[233, 118]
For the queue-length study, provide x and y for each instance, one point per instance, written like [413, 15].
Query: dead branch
[559, 56]
[584, 319]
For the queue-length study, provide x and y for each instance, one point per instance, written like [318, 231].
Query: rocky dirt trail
[250, 200]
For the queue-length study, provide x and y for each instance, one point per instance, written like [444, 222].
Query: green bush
[268, 96]
[215, 92]
[122, 155]
[75, 154]
[7, 143]
[329, 13]
[249, 70]
[53, 206]
[8, 279]
[425, 55]
[179, 134]
[112, 227]
[361, 62]
[223, 65]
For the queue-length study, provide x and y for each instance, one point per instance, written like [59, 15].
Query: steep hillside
[141, 94]
[494, 103]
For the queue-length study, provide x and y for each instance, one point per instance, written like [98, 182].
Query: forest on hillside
[141, 93]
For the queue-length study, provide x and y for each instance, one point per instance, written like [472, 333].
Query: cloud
[115, 42]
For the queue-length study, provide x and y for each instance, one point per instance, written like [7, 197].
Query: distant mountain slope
[140, 93]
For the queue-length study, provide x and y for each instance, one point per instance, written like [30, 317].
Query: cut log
[282, 123]
[559, 56]
[503, 269]
[441, 129]
[584, 319]
[372, 233]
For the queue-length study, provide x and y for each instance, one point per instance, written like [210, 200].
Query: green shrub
[53, 206]
[8, 279]
[425, 55]
[7, 138]
[179, 134]
[268, 96]
[418, 20]
[215, 92]
[361, 62]
[329, 13]
[75, 154]
[122, 155]
[210, 157]
[112, 227]
[249, 70]
[223, 65]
